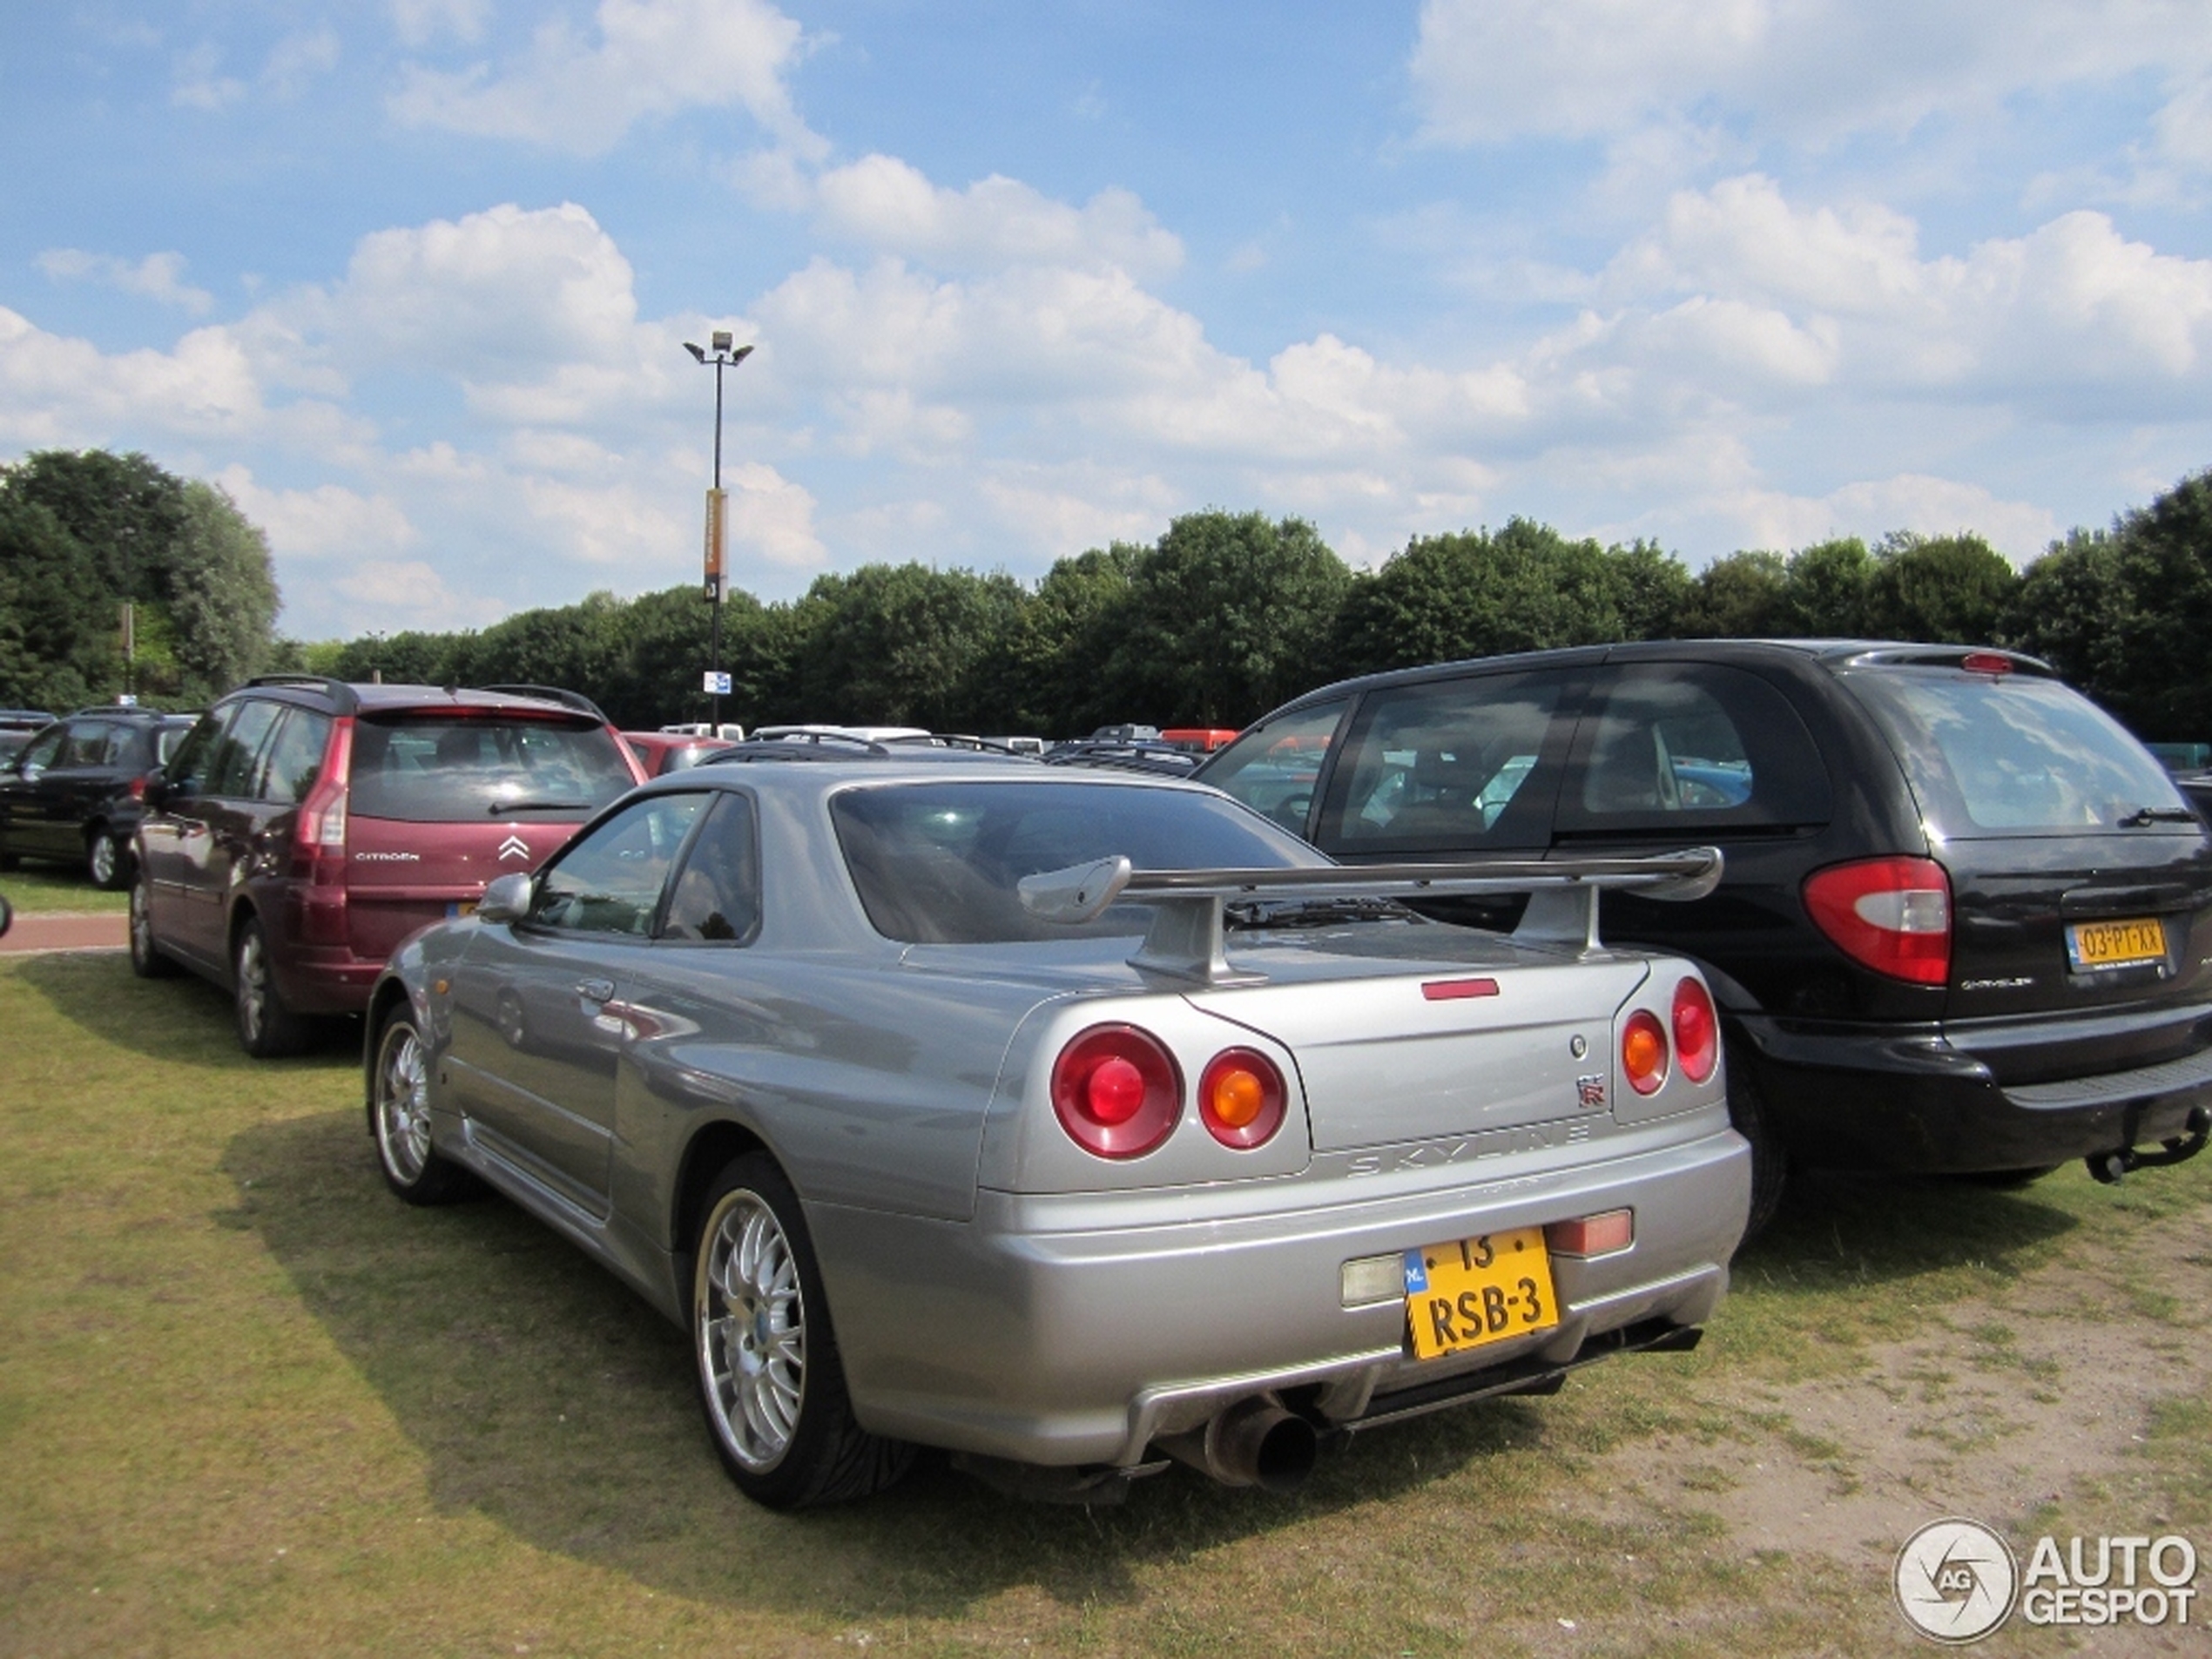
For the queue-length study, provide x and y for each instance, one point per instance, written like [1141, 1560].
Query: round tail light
[1116, 1091]
[1241, 1098]
[1697, 1030]
[1643, 1052]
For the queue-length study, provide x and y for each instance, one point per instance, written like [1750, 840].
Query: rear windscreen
[446, 771]
[2010, 754]
[938, 863]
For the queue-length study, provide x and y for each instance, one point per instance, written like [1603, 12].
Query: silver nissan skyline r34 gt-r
[1070, 1121]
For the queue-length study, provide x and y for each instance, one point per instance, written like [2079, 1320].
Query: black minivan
[1965, 925]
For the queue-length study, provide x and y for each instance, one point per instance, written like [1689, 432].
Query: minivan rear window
[440, 770]
[2013, 754]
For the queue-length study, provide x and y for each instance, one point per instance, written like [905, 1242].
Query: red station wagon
[306, 827]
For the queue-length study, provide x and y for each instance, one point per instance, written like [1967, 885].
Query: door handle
[595, 990]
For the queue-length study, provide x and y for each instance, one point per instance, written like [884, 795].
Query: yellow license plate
[460, 907]
[1476, 1291]
[2115, 944]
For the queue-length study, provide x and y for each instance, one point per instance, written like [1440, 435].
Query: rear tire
[399, 1113]
[267, 1029]
[146, 960]
[105, 861]
[1770, 1162]
[770, 1381]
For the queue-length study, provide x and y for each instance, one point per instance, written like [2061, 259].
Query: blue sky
[411, 279]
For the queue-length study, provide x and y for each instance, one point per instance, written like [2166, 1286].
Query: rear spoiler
[1186, 939]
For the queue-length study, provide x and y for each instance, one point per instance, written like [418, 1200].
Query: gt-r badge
[515, 847]
[1591, 1090]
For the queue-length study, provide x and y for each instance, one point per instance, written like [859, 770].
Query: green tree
[902, 644]
[2152, 659]
[1744, 595]
[222, 594]
[1952, 589]
[126, 510]
[1227, 615]
[58, 635]
[1825, 590]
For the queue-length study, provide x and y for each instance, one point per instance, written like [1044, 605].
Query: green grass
[250, 1404]
[43, 888]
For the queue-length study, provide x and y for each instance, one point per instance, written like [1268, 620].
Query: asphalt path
[66, 931]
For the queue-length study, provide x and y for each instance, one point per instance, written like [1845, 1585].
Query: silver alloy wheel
[141, 924]
[750, 1317]
[252, 986]
[100, 859]
[403, 1103]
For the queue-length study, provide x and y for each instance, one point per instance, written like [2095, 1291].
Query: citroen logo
[515, 847]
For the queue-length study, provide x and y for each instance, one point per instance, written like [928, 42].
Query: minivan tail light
[1643, 1052]
[1697, 1030]
[1116, 1090]
[1892, 915]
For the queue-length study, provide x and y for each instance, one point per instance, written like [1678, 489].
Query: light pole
[716, 507]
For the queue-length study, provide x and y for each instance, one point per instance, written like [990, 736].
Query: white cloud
[889, 205]
[649, 59]
[388, 594]
[58, 390]
[325, 522]
[196, 86]
[1489, 70]
[420, 22]
[1871, 508]
[299, 59]
[158, 276]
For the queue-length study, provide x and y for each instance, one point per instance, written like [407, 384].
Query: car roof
[823, 778]
[344, 697]
[1830, 652]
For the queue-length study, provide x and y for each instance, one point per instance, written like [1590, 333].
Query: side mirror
[507, 898]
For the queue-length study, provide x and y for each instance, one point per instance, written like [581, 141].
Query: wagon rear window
[468, 771]
[938, 863]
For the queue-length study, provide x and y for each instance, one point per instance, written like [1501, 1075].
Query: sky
[411, 279]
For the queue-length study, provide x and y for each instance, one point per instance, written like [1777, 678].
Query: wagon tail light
[1643, 1052]
[1116, 1091]
[1892, 915]
[318, 843]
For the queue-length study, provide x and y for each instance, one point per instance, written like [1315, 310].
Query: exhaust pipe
[1254, 1443]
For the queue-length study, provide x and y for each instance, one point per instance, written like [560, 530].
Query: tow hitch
[2108, 1167]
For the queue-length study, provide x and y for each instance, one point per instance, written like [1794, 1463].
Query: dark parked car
[1966, 922]
[306, 827]
[73, 794]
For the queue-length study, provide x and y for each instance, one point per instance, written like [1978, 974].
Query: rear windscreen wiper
[2143, 815]
[501, 808]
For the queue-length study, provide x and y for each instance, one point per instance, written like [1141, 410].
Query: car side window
[717, 896]
[610, 881]
[1459, 765]
[87, 744]
[1680, 745]
[186, 772]
[1273, 768]
[231, 769]
[294, 758]
[39, 753]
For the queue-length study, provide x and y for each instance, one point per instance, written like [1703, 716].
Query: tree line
[1221, 618]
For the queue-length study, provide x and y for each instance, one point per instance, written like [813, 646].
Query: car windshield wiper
[1313, 913]
[2143, 815]
[500, 808]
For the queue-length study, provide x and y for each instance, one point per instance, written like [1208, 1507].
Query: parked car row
[74, 793]
[1076, 1115]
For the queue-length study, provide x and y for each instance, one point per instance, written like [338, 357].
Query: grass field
[41, 888]
[249, 1404]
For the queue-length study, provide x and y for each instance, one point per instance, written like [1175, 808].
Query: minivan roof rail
[576, 700]
[337, 690]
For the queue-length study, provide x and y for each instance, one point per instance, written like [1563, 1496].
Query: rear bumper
[1916, 1103]
[1043, 1333]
